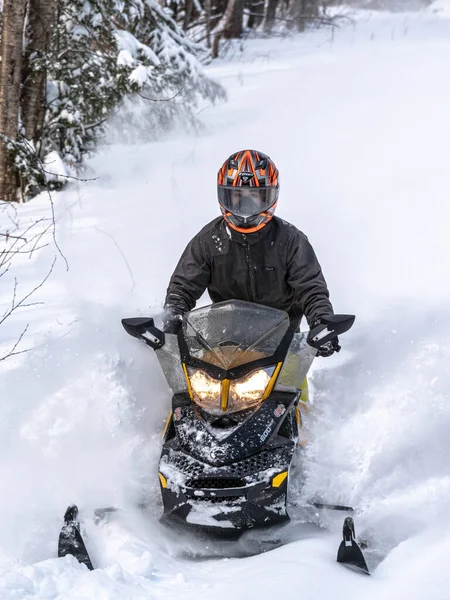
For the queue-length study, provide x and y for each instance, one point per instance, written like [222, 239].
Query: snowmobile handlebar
[326, 329]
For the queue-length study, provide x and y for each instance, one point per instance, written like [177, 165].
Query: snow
[442, 7]
[56, 170]
[358, 125]
[130, 48]
[204, 515]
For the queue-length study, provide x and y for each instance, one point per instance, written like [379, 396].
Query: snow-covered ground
[358, 123]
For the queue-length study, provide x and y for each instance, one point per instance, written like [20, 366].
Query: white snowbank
[55, 169]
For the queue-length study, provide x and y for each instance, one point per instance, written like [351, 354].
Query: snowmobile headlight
[228, 396]
[248, 391]
[206, 390]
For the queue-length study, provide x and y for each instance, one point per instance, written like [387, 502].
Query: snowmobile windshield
[234, 333]
[247, 201]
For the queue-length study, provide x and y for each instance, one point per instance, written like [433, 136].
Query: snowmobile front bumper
[227, 505]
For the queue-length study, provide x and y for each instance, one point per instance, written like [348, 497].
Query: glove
[171, 321]
[329, 348]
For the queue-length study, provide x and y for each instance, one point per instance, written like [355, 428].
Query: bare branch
[21, 302]
[12, 351]
[7, 235]
[54, 231]
[25, 251]
[122, 254]
[70, 176]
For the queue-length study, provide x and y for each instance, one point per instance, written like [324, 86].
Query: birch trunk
[11, 50]
[40, 24]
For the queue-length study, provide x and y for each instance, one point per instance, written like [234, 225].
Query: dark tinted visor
[247, 201]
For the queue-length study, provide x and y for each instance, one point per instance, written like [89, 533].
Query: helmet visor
[247, 201]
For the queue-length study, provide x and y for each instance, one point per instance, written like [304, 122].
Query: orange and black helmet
[248, 186]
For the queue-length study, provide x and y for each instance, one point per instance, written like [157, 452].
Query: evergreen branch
[160, 99]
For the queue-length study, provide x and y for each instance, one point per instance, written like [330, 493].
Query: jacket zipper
[249, 272]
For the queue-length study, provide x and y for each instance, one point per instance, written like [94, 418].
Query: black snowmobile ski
[70, 540]
[340, 507]
[350, 553]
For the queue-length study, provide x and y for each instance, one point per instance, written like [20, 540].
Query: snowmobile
[237, 371]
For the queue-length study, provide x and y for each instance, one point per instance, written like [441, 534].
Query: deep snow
[358, 124]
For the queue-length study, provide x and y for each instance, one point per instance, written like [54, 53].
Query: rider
[249, 254]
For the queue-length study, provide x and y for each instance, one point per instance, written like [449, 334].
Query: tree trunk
[256, 8]
[233, 26]
[218, 9]
[188, 7]
[270, 15]
[303, 11]
[174, 8]
[41, 18]
[10, 80]
[221, 27]
[208, 22]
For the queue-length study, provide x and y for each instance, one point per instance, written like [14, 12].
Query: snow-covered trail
[358, 124]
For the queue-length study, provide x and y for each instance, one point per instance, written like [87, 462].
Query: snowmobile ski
[333, 507]
[349, 553]
[70, 540]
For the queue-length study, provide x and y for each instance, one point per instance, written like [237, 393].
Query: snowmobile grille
[266, 459]
[185, 464]
[218, 483]
[220, 499]
[260, 462]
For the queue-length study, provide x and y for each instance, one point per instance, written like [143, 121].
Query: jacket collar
[250, 238]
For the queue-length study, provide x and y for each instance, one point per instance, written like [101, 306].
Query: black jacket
[275, 266]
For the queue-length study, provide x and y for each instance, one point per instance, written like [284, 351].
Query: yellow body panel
[278, 479]
[304, 396]
[188, 381]
[272, 381]
[167, 424]
[224, 394]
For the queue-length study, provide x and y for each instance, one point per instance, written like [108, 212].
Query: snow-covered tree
[92, 55]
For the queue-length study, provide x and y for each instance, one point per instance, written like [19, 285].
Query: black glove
[329, 348]
[171, 321]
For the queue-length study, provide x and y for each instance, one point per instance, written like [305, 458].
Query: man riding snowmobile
[237, 370]
[249, 254]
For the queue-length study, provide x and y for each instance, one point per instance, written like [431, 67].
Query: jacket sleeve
[190, 279]
[304, 275]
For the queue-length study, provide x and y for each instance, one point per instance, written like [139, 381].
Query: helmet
[248, 186]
